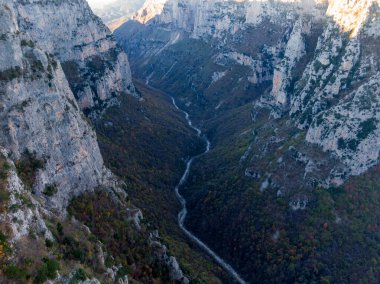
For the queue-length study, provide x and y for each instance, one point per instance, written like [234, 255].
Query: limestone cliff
[58, 59]
[39, 115]
[97, 70]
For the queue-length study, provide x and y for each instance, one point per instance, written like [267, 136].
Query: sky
[99, 3]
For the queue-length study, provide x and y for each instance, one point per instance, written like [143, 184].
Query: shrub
[50, 190]
[48, 271]
[4, 248]
[27, 167]
[4, 194]
[351, 144]
[60, 229]
[29, 43]
[123, 271]
[11, 73]
[49, 243]
[15, 273]
[79, 275]
[366, 128]
[78, 254]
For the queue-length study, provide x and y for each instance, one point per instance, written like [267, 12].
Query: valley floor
[146, 143]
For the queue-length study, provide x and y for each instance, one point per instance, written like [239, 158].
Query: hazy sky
[99, 3]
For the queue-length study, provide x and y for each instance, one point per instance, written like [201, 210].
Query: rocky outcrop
[335, 100]
[97, 70]
[294, 51]
[218, 18]
[175, 271]
[150, 10]
[26, 216]
[351, 15]
[40, 115]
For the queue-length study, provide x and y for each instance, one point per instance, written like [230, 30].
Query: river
[182, 215]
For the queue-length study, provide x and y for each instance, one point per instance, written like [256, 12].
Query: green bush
[49, 243]
[27, 167]
[79, 275]
[123, 271]
[4, 196]
[50, 190]
[11, 73]
[29, 43]
[48, 271]
[366, 128]
[60, 229]
[15, 273]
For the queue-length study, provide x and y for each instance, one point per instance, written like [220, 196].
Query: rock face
[57, 60]
[149, 10]
[315, 56]
[97, 70]
[25, 218]
[40, 115]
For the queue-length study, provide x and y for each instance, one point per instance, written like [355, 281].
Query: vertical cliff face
[97, 70]
[149, 10]
[351, 15]
[216, 17]
[40, 115]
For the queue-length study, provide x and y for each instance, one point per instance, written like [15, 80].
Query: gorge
[183, 213]
[201, 141]
[285, 93]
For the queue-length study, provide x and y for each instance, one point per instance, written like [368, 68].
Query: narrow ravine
[182, 215]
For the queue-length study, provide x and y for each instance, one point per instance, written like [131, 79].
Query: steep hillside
[146, 142]
[41, 118]
[96, 68]
[287, 92]
[61, 209]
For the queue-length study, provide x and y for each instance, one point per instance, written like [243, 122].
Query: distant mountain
[118, 12]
